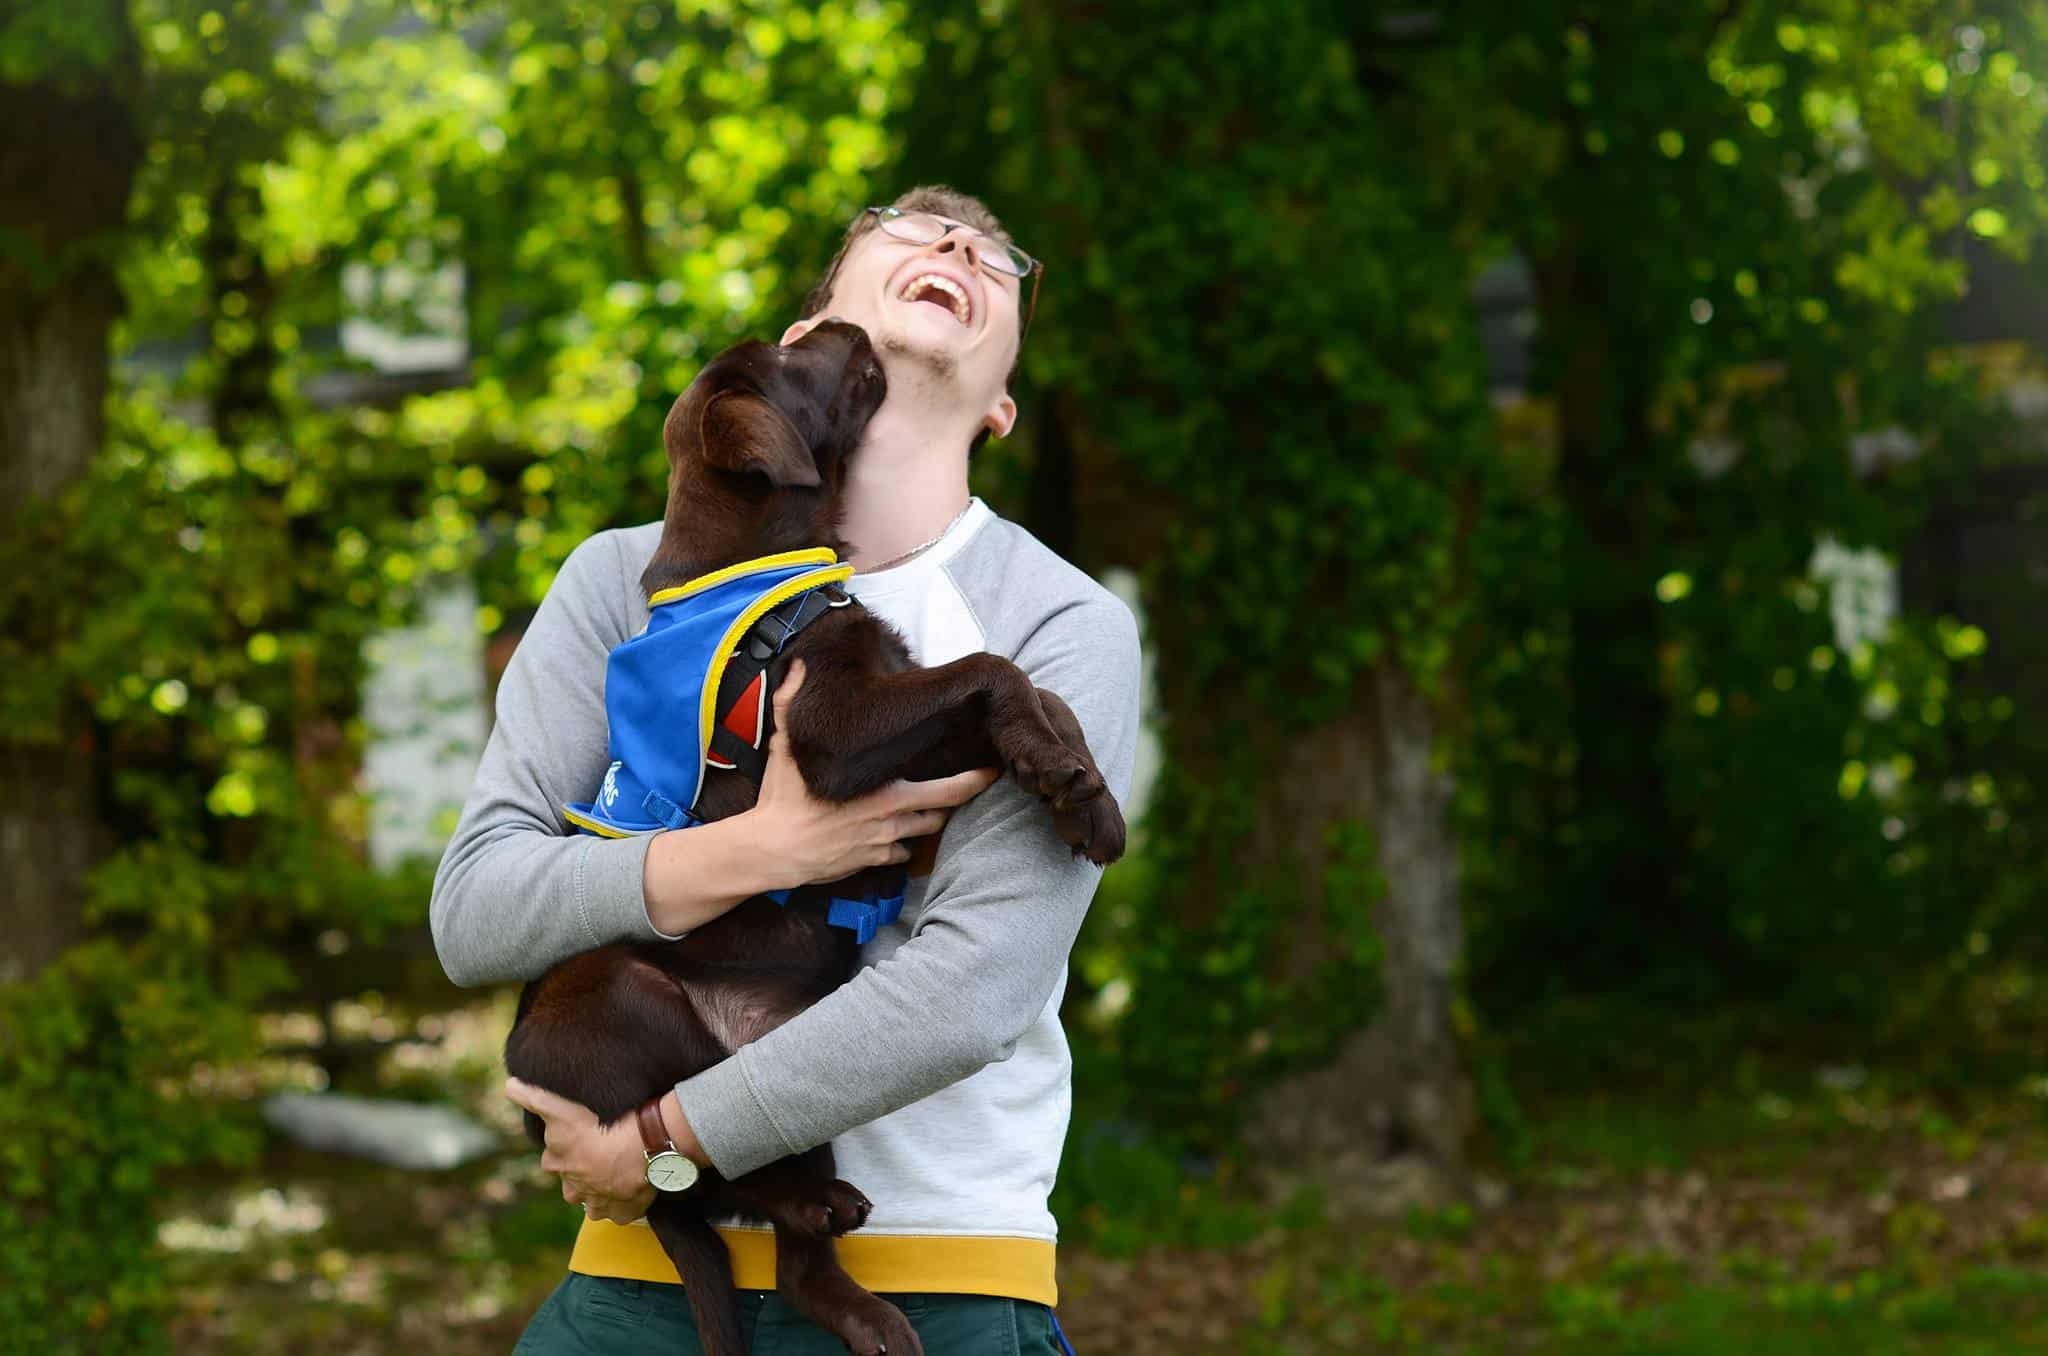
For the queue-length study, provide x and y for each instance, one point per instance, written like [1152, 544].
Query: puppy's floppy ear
[743, 432]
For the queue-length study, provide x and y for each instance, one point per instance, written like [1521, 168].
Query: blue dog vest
[661, 705]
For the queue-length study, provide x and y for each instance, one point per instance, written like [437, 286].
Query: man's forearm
[508, 908]
[694, 875]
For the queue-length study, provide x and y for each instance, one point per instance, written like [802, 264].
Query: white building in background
[426, 709]
[401, 319]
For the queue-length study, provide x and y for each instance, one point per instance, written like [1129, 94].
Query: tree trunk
[1397, 1092]
[67, 160]
[1624, 867]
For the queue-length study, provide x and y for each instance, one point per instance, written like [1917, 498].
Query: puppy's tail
[706, 1268]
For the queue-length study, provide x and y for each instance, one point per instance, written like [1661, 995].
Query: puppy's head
[758, 445]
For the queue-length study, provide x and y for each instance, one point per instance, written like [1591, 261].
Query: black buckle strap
[757, 650]
[744, 757]
[781, 624]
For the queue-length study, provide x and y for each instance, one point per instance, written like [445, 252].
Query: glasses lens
[922, 228]
[1008, 258]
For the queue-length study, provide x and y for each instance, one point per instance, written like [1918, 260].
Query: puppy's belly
[736, 1013]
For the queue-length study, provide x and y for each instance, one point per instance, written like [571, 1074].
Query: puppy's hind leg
[808, 1276]
[706, 1268]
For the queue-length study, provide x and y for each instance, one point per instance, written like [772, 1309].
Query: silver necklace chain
[893, 561]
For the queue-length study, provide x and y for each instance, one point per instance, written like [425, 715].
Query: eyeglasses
[922, 228]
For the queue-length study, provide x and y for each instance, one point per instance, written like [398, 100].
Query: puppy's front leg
[800, 1193]
[1093, 821]
[855, 729]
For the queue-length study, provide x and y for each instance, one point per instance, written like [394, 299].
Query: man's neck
[907, 481]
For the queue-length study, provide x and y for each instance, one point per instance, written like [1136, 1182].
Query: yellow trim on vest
[596, 826]
[815, 555]
[888, 1264]
[728, 643]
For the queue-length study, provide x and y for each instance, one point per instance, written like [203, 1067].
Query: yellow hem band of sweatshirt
[887, 1264]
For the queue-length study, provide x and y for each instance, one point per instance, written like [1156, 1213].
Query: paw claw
[1093, 827]
[879, 1328]
[836, 1208]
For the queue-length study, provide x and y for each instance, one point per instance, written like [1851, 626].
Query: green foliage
[60, 43]
[1256, 327]
[627, 188]
[1792, 302]
[207, 605]
[1124, 1188]
[622, 186]
[107, 1057]
[1257, 337]
[1740, 233]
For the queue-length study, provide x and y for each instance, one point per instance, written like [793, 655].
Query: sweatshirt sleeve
[1002, 908]
[516, 890]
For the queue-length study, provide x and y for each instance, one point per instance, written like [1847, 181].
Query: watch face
[671, 1172]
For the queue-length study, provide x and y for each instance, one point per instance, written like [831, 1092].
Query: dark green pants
[601, 1316]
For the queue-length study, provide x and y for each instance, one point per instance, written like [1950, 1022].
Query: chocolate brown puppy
[758, 448]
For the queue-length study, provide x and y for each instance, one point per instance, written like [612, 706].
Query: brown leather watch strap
[653, 1134]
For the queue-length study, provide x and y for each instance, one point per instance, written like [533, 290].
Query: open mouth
[940, 291]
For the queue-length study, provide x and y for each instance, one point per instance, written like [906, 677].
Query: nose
[958, 241]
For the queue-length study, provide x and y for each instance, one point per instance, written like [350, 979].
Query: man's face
[932, 307]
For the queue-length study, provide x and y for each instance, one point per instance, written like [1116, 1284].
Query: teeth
[962, 311]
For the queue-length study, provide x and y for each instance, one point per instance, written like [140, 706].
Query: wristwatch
[667, 1170]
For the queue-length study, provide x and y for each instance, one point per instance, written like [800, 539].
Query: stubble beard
[941, 364]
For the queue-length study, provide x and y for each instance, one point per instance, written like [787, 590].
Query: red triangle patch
[745, 718]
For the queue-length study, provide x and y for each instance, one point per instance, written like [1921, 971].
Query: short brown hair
[937, 199]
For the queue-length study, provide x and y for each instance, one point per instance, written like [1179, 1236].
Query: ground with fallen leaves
[1768, 1213]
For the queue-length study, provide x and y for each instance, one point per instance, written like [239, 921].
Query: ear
[801, 328]
[743, 432]
[1001, 416]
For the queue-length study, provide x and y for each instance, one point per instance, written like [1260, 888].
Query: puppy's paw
[837, 1208]
[1094, 828]
[1052, 771]
[849, 1208]
[876, 1327]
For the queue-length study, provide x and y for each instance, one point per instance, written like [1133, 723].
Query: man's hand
[791, 837]
[820, 840]
[603, 1169]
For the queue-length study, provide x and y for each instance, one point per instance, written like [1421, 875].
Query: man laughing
[940, 1072]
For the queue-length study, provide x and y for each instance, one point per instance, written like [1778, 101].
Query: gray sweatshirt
[940, 1071]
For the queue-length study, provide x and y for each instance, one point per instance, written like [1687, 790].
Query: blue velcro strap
[667, 812]
[780, 896]
[889, 897]
[857, 916]
[875, 909]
